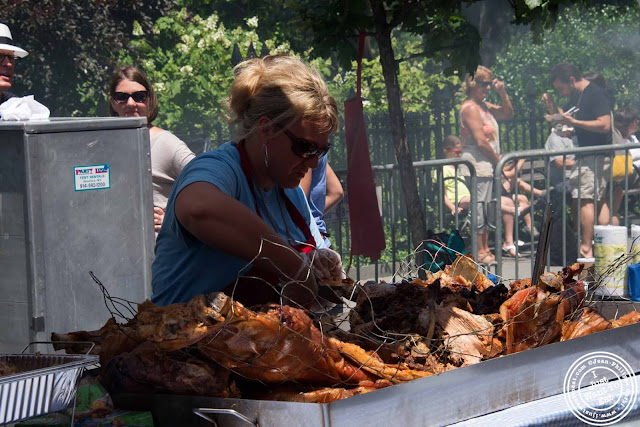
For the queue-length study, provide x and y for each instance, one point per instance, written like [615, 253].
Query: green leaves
[600, 38]
[73, 47]
[533, 3]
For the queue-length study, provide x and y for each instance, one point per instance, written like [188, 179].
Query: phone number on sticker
[93, 185]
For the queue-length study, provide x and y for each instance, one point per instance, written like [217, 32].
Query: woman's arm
[224, 223]
[504, 111]
[305, 183]
[335, 193]
[470, 114]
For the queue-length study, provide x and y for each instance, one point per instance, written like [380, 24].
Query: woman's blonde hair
[482, 73]
[282, 88]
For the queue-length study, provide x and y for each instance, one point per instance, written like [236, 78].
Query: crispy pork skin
[148, 369]
[627, 319]
[590, 321]
[533, 317]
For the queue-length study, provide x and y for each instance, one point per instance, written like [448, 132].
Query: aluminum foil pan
[46, 383]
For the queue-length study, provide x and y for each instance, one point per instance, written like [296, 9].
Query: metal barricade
[390, 198]
[604, 153]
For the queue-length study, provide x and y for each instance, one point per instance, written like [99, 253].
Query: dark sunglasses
[483, 83]
[305, 149]
[122, 97]
[13, 59]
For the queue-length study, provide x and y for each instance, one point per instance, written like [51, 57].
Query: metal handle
[61, 342]
[202, 411]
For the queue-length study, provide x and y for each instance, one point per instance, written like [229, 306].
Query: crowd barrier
[430, 183]
[535, 172]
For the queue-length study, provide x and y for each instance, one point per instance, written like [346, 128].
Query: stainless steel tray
[47, 383]
[443, 399]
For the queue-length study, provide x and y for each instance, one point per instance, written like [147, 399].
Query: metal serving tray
[443, 399]
[46, 384]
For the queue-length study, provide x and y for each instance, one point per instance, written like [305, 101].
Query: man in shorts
[592, 124]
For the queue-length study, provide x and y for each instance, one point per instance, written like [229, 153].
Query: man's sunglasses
[305, 149]
[483, 83]
[10, 56]
[122, 97]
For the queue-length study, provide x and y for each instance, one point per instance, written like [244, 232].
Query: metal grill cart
[75, 196]
[46, 383]
[454, 396]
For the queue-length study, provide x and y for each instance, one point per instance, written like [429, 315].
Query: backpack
[441, 249]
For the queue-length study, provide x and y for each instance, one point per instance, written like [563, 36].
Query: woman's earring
[266, 156]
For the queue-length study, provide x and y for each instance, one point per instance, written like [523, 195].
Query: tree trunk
[415, 214]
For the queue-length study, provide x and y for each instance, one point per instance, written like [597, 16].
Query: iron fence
[537, 175]
[431, 183]
[425, 132]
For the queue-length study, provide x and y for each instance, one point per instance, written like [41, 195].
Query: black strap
[6, 40]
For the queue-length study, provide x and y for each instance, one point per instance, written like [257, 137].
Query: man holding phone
[591, 120]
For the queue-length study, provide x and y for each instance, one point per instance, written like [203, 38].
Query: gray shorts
[583, 178]
[485, 190]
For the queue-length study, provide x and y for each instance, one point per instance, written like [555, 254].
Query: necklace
[294, 213]
[266, 209]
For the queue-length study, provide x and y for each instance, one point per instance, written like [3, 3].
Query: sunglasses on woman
[305, 149]
[122, 97]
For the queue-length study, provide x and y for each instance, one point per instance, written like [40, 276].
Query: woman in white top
[131, 95]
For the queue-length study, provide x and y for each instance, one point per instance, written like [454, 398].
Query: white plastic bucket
[635, 243]
[610, 242]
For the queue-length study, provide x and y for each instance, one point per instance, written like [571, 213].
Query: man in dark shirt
[9, 53]
[592, 124]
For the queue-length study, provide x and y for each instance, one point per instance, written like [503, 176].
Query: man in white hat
[9, 53]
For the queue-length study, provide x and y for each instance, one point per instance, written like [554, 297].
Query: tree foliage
[448, 35]
[72, 46]
[189, 60]
[602, 38]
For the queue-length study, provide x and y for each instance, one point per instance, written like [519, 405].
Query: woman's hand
[158, 217]
[326, 264]
[498, 86]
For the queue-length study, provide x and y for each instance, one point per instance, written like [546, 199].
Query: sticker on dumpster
[93, 177]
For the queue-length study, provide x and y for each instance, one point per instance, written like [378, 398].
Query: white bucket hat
[6, 42]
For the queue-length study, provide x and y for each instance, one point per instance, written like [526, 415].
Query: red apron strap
[299, 221]
[246, 169]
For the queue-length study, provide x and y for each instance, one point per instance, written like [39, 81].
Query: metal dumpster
[463, 394]
[75, 196]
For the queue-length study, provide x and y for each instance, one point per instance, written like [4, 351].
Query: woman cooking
[481, 142]
[237, 220]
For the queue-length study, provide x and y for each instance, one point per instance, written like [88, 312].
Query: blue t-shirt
[184, 266]
[318, 193]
